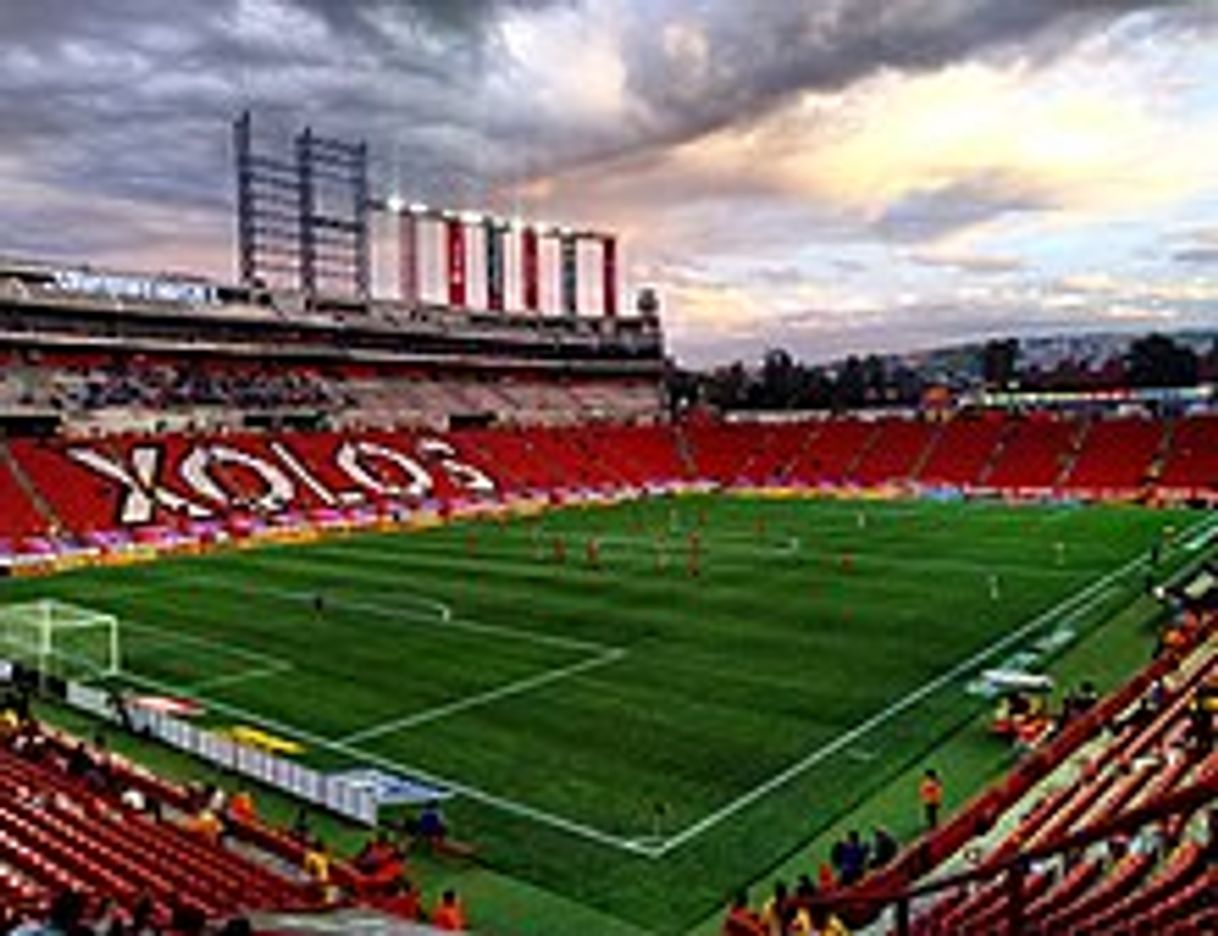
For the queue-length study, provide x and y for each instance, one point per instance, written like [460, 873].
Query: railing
[867, 903]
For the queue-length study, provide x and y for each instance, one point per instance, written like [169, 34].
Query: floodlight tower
[303, 222]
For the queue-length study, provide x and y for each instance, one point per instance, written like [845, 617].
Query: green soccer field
[644, 735]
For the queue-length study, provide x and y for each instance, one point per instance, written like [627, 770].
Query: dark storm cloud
[126, 104]
[742, 57]
[130, 100]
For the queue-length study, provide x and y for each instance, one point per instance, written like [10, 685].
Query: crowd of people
[379, 875]
[796, 911]
[73, 914]
[165, 386]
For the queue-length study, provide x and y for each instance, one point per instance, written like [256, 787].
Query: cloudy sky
[826, 175]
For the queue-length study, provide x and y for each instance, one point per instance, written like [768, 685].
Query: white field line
[344, 746]
[443, 613]
[503, 804]
[480, 699]
[231, 679]
[641, 846]
[221, 648]
[791, 545]
[1197, 542]
[785, 776]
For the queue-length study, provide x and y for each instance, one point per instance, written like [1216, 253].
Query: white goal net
[60, 639]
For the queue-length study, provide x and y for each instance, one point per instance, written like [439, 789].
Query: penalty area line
[519, 687]
[504, 804]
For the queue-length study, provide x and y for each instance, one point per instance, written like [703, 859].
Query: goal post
[61, 639]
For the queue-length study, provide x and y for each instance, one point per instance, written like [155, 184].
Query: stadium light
[395, 203]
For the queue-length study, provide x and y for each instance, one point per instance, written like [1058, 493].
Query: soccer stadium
[377, 557]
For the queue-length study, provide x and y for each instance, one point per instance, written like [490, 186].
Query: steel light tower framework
[303, 222]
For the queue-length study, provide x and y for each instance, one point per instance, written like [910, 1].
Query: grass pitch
[644, 724]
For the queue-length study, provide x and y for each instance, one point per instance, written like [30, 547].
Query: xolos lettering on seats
[208, 479]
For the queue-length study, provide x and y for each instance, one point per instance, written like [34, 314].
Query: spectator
[773, 912]
[187, 921]
[851, 859]
[142, 918]
[241, 808]
[79, 762]
[206, 825]
[432, 827]
[63, 919]
[449, 914]
[109, 919]
[1201, 725]
[930, 792]
[403, 901]
[741, 920]
[381, 863]
[825, 923]
[374, 854]
[884, 847]
[316, 863]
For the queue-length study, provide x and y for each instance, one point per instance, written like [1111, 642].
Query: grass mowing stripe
[446, 617]
[510, 806]
[897, 708]
[485, 698]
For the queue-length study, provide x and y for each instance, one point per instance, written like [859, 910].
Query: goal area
[60, 640]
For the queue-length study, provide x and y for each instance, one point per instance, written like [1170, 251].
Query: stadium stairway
[827, 457]
[1073, 450]
[1032, 454]
[934, 434]
[28, 513]
[871, 442]
[1192, 463]
[895, 452]
[1116, 455]
[963, 453]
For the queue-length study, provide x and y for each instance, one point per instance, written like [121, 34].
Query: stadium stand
[894, 452]
[962, 451]
[1109, 827]
[21, 517]
[66, 825]
[832, 448]
[1192, 460]
[1116, 456]
[1031, 454]
[50, 488]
